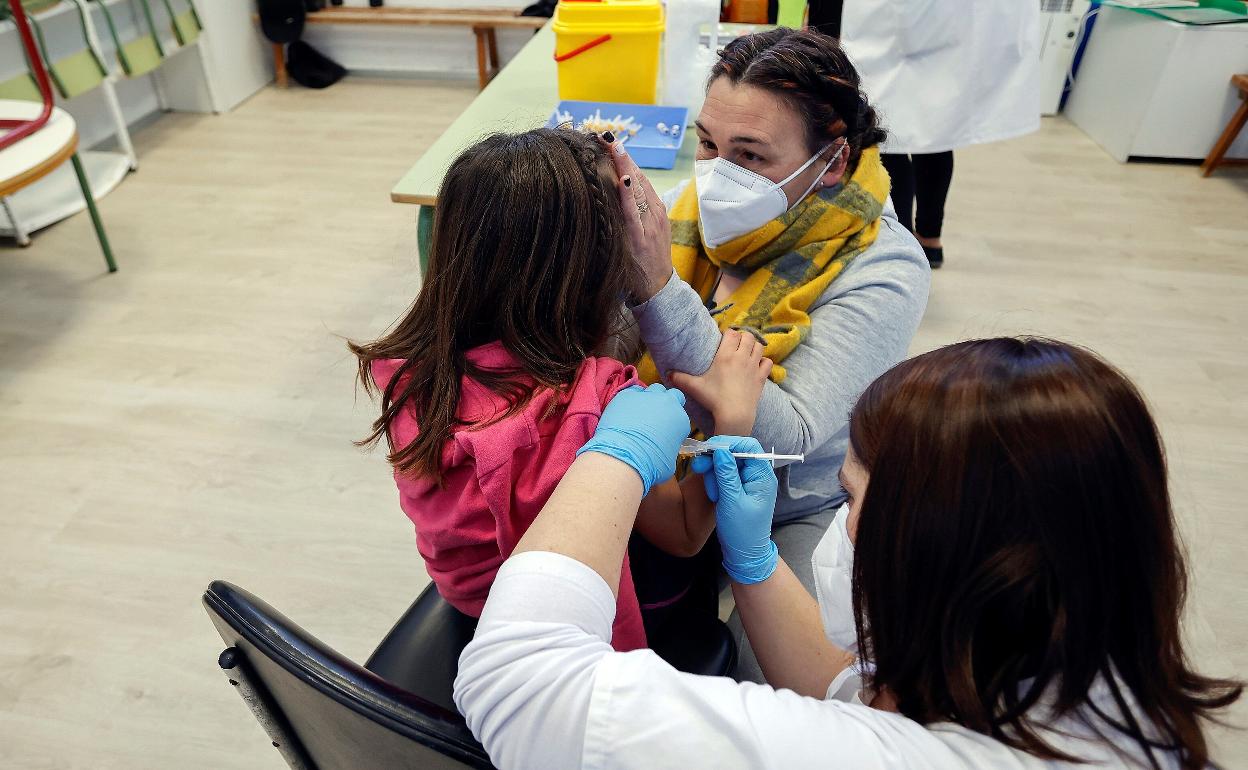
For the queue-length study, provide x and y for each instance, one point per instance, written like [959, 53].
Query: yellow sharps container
[608, 50]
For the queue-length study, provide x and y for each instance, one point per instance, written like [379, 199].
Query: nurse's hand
[643, 428]
[649, 232]
[744, 492]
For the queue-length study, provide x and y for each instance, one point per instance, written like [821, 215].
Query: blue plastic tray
[649, 148]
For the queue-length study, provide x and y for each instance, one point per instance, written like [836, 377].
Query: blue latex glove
[744, 492]
[643, 428]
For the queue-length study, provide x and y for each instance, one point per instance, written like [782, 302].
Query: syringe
[691, 447]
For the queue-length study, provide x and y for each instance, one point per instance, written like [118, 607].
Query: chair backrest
[81, 71]
[21, 87]
[186, 24]
[142, 54]
[421, 652]
[340, 714]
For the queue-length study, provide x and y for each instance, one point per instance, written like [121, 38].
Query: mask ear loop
[817, 183]
[835, 157]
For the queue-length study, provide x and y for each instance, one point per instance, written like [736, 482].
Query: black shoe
[935, 256]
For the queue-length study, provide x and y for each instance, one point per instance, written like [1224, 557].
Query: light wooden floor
[190, 417]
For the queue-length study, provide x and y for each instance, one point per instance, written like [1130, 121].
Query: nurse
[785, 232]
[943, 75]
[1008, 572]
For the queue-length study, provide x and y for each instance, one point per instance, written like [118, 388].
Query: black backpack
[311, 68]
[281, 21]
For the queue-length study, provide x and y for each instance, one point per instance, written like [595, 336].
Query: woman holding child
[783, 249]
[786, 232]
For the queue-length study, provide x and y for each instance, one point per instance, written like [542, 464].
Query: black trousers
[825, 16]
[920, 186]
[670, 588]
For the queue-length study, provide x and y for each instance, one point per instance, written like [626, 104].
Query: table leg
[493, 41]
[95, 214]
[483, 74]
[1226, 140]
[279, 64]
[424, 237]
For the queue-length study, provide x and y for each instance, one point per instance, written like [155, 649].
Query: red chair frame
[20, 129]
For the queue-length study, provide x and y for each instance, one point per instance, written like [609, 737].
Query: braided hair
[599, 178]
[812, 72]
[624, 342]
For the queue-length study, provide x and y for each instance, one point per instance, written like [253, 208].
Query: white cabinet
[1149, 87]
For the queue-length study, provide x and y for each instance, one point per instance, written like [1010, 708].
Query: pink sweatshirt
[497, 479]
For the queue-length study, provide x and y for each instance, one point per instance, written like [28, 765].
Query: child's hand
[730, 389]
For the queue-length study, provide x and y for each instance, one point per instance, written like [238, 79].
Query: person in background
[499, 372]
[1008, 573]
[943, 75]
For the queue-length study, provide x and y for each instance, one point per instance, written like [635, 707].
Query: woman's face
[759, 131]
[854, 478]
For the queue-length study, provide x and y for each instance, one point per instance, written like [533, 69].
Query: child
[497, 374]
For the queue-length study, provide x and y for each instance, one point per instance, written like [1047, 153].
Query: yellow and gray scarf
[791, 259]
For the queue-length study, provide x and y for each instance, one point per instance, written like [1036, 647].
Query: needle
[766, 456]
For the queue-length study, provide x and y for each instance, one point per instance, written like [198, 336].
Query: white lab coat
[541, 687]
[945, 74]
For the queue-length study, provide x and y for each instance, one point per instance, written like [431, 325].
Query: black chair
[322, 711]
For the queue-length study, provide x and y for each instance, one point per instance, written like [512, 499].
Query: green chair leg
[424, 236]
[95, 214]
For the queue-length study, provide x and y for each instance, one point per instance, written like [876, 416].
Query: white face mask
[733, 201]
[833, 562]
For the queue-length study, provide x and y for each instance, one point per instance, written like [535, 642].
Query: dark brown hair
[1017, 526]
[811, 72]
[528, 248]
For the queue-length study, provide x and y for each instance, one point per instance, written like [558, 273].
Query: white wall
[240, 57]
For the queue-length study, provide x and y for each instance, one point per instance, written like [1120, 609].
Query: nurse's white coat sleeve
[541, 688]
[529, 670]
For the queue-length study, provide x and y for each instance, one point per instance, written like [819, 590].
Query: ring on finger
[643, 206]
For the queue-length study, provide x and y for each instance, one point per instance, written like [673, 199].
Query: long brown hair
[1017, 526]
[812, 73]
[529, 248]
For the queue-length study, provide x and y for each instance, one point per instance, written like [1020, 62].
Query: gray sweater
[860, 327]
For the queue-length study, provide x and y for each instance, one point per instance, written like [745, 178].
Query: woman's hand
[744, 492]
[643, 428]
[649, 232]
[730, 389]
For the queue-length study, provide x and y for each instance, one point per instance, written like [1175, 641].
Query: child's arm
[730, 389]
[677, 517]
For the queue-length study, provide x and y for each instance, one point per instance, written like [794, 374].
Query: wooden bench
[1236, 124]
[482, 20]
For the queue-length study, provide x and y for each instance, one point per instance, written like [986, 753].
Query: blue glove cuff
[755, 570]
[629, 449]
